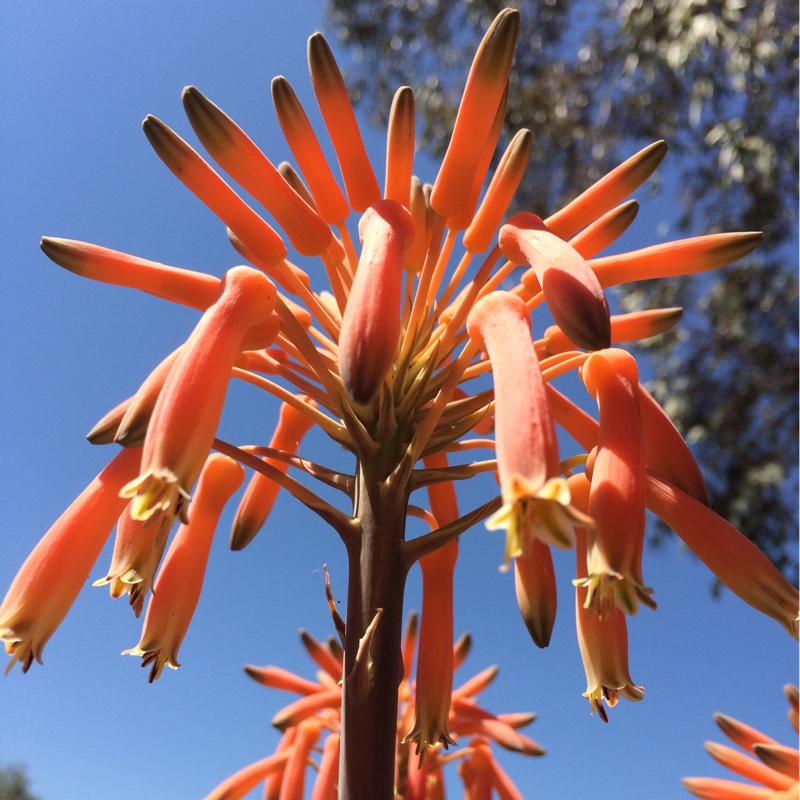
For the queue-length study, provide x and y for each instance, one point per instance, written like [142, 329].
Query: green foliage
[718, 80]
[14, 784]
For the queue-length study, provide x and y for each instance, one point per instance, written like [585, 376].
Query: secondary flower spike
[774, 767]
[371, 323]
[571, 289]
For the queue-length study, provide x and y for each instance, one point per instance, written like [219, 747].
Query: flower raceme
[391, 356]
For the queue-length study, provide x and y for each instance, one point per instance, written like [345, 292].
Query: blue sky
[76, 80]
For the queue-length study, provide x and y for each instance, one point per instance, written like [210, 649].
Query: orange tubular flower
[435, 660]
[53, 574]
[775, 767]
[603, 641]
[730, 555]
[180, 580]
[138, 548]
[188, 409]
[571, 289]
[617, 496]
[631, 327]
[261, 492]
[535, 496]
[340, 120]
[611, 189]
[238, 155]
[482, 95]
[371, 323]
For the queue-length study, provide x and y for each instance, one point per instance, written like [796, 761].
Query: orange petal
[261, 493]
[277, 678]
[186, 414]
[632, 327]
[749, 767]
[306, 707]
[733, 558]
[605, 230]
[617, 494]
[534, 579]
[682, 257]
[719, 789]
[242, 782]
[293, 785]
[184, 162]
[400, 138]
[462, 220]
[326, 784]
[500, 193]
[330, 201]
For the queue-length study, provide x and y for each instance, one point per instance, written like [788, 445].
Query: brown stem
[373, 662]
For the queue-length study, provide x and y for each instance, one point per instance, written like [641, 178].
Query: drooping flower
[617, 494]
[189, 406]
[603, 640]
[535, 496]
[51, 577]
[177, 588]
[772, 766]
[434, 683]
[138, 547]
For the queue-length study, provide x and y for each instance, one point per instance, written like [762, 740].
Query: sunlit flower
[617, 494]
[138, 547]
[535, 496]
[53, 574]
[261, 492]
[390, 357]
[180, 580]
[189, 405]
[603, 640]
[434, 682]
[772, 767]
